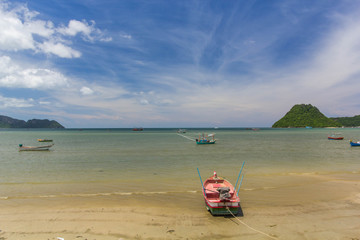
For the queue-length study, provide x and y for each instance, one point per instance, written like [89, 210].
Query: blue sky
[224, 63]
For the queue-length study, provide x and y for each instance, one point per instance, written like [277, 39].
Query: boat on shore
[220, 196]
[354, 144]
[206, 139]
[44, 140]
[35, 148]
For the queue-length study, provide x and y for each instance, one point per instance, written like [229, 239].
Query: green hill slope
[348, 121]
[302, 115]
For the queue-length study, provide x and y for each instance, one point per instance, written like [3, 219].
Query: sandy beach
[316, 207]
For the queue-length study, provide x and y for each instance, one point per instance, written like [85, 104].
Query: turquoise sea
[157, 162]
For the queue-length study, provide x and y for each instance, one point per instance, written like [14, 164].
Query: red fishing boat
[335, 136]
[220, 196]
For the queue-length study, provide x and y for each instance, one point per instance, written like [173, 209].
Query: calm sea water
[122, 162]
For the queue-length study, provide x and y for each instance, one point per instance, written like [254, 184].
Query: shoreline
[316, 207]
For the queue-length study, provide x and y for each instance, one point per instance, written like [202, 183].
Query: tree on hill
[302, 115]
[348, 121]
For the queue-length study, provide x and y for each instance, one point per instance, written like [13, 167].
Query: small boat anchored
[35, 148]
[221, 197]
[206, 139]
[44, 140]
[354, 144]
[336, 136]
[181, 130]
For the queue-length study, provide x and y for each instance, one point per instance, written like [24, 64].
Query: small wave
[92, 194]
[302, 173]
[256, 189]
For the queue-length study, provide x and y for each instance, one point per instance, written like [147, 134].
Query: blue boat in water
[354, 144]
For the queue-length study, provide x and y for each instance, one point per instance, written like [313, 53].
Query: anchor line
[186, 137]
[265, 234]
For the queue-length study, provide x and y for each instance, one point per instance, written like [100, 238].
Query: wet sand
[311, 206]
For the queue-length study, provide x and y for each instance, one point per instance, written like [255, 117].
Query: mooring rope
[186, 137]
[265, 234]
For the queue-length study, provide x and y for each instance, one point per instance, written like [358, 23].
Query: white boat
[181, 130]
[35, 148]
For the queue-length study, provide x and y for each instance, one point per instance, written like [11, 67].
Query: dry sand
[327, 207]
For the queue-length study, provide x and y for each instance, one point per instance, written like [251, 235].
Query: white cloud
[339, 58]
[106, 39]
[13, 76]
[15, 102]
[84, 28]
[59, 49]
[44, 103]
[19, 26]
[86, 91]
[125, 35]
[6, 66]
[144, 102]
[14, 35]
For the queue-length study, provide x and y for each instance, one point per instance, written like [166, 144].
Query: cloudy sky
[160, 63]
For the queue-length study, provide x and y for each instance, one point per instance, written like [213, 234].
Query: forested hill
[302, 115]
[348, 121]
[8, 122]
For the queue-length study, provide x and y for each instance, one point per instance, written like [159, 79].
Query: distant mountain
[348, 121]
[302, 115]
[8, 122]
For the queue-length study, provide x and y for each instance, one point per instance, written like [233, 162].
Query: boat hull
[335, 138]
[35, 148]
[201, 142]
[223, 209]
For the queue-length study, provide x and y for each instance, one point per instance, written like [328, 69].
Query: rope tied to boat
[265, 234]
[186, 137]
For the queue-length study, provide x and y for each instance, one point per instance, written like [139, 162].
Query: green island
[304, 115]
[8, 122]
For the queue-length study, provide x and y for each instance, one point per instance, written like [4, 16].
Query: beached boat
[44, 140]
[35, 148]
[336, 136]
[220, 196]
[206, 139]
[354, 144]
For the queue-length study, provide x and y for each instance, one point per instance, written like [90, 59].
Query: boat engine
[224, 193]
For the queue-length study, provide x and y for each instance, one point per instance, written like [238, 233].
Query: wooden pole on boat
[240, 184]
[201, 181]
[239, 174]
